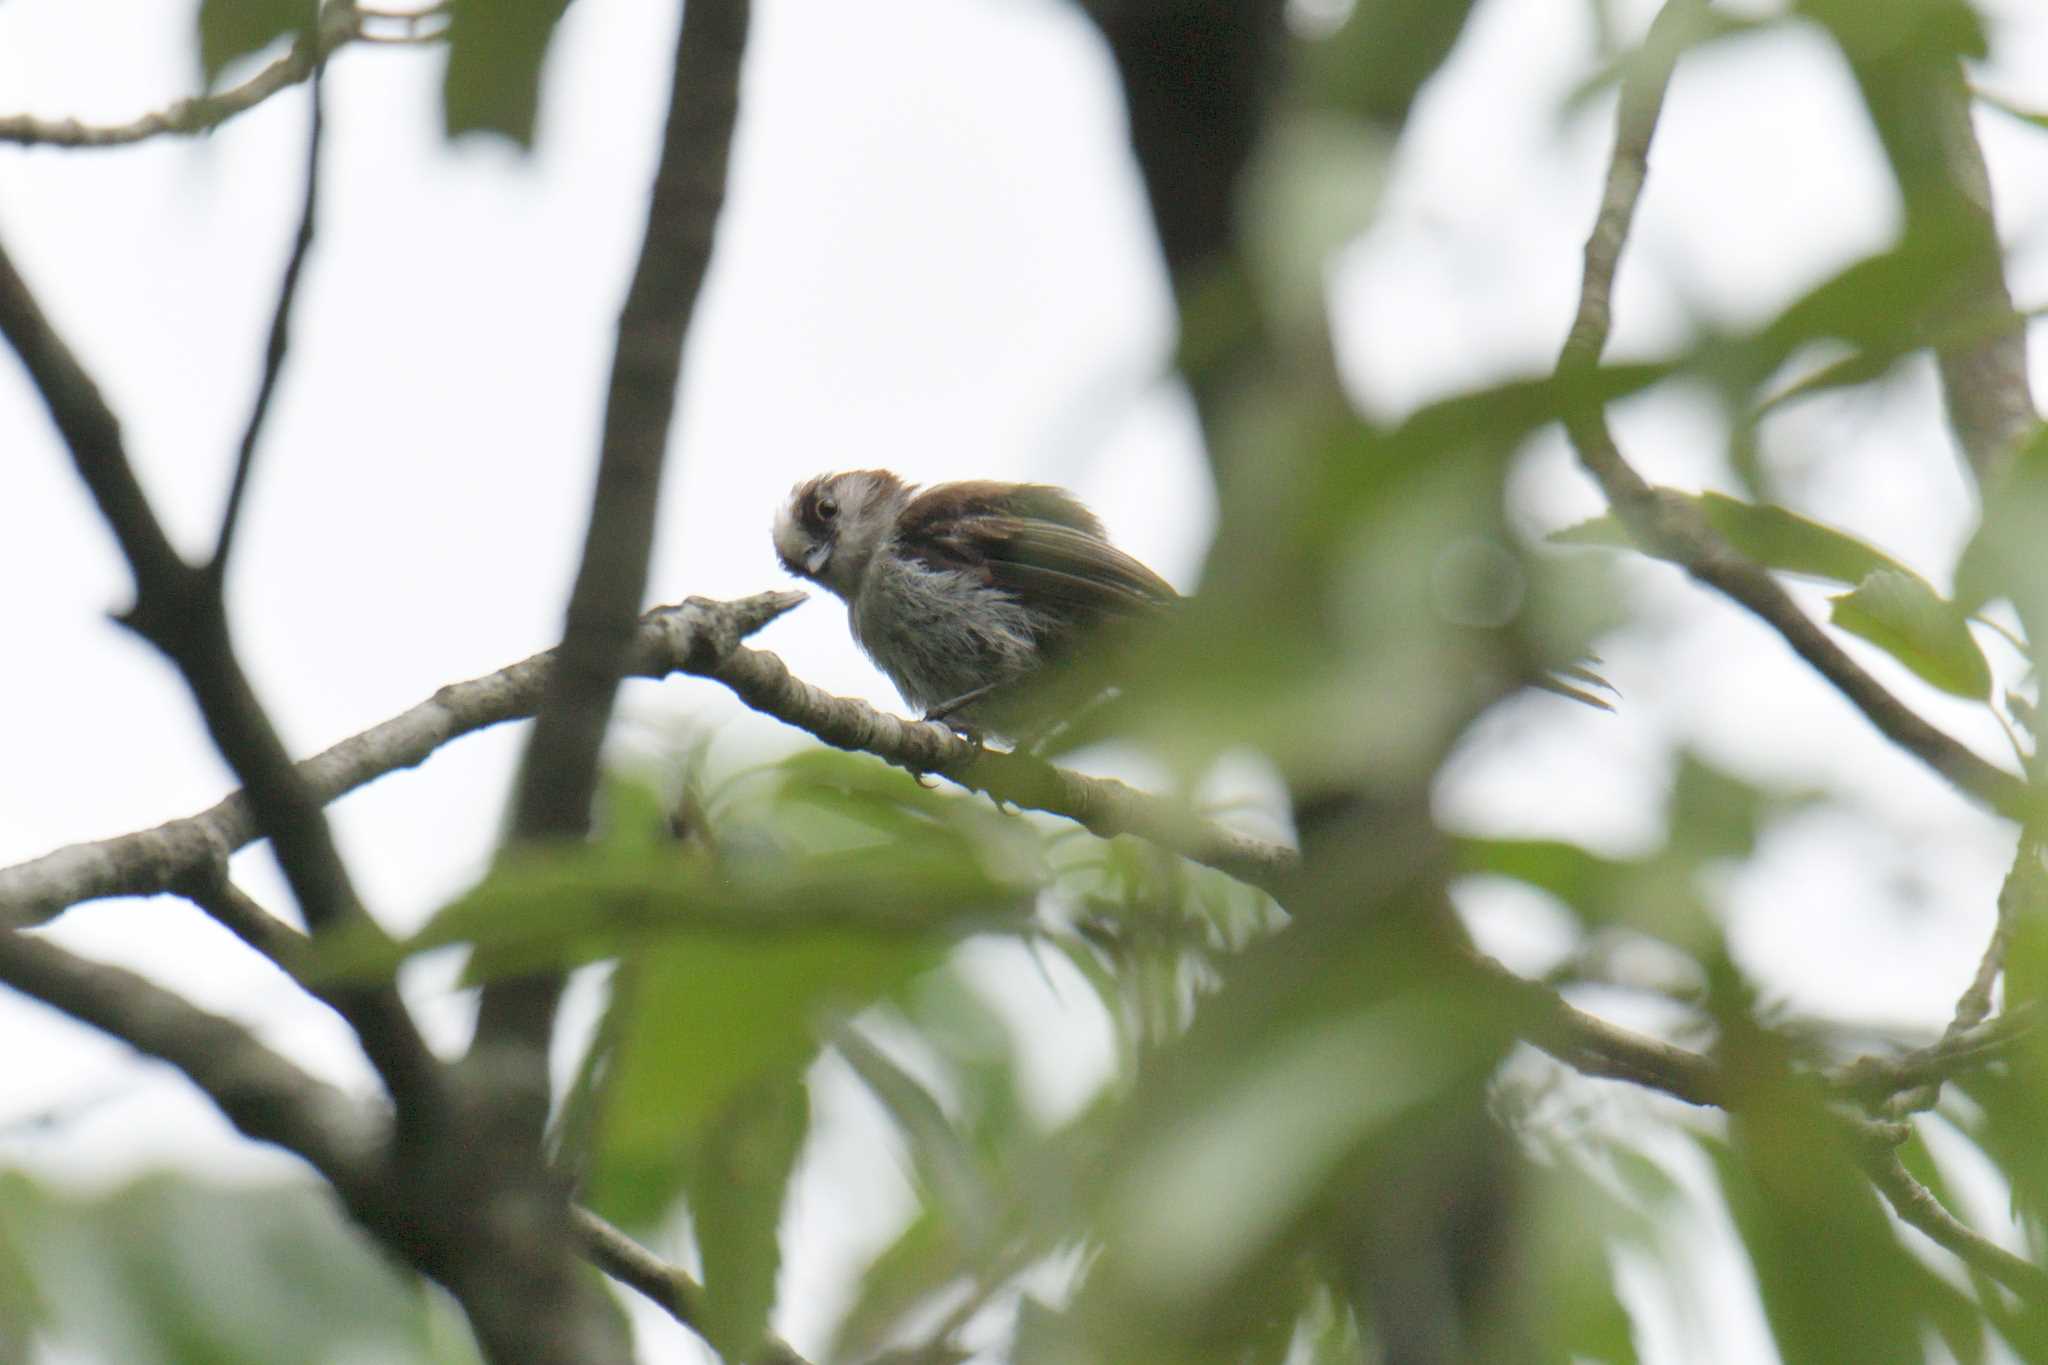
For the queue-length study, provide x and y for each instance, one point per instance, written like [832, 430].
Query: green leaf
[1772, 536]
[2003, 558]
[1908, 620]
[2011, 110]
[164, 1270]
[235, 28]
[717, 1014]
[736, 1188]
[495, 52]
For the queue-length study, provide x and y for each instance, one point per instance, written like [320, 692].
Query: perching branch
[698, 637]
[1669, 526]
[340, 24]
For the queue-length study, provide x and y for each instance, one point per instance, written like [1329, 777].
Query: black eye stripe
[819, 510]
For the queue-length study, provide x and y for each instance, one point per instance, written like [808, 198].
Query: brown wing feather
[1035, 541]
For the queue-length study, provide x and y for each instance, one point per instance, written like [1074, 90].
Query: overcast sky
[936, 258]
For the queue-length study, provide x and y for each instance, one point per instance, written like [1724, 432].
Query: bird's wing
[1034, 541]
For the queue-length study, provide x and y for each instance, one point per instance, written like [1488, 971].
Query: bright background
[936, 257]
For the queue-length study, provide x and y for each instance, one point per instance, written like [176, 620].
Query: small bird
[997, 607]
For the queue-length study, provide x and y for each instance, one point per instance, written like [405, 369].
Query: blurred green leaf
[1924, 30]
[165, 1270]
[715, 1015]
[1376, 62]
[1201, 1195]
[235, 28]
[1572, 1293]
[495, 52]
[1772, 536]
[945, 1164]
[2003, 558]
[2011, 110]
[738, 1178]
[1908, 620]
[874, 859]
[1836, 1283]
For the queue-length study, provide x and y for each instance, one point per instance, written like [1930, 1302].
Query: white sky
[935, 258]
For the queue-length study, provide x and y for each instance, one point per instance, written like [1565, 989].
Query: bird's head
[833, 525]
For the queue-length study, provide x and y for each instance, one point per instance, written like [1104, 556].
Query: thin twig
[201, 114]
[280, 337]
[668, 1287]
[375, 1012]
[1876, 1079]
[1669, 526]
[1916, 1204]
[1593, 1047]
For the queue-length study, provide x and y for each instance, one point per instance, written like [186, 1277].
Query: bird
[998, 608]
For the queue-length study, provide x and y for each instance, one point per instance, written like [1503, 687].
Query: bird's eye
[828, 508]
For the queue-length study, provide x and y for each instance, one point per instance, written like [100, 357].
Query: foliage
[1322, 1135]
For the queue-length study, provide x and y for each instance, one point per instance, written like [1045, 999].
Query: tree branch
[668, 1287]
[265, 1096]
[340, 24]
[1916, 1204]
[180, 610]
[1669, 526]
[698, 637]
[559, 771]
[274, 348]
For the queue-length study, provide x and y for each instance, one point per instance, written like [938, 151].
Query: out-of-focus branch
[265, 1096]
[670, 1288]
[1878, 1080]
[559, 773]
[1593, 1047]
[1919, 104]
[1669, 526]
[340, 24]
[1916, 1204]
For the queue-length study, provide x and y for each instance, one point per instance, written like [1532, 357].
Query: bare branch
[176, 609]
[1916, 1204]
[700, 637]
[155, 861]
[1670, 527]
[559, 772]
[1593, 1047]
[265, 1096]
[203, 114]
[375, 1013]
[274, 349]
[1874, 1079]
[179, 609]
[668, 1287]
[559, 776]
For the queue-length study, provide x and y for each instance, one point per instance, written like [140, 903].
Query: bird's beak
[814, 562]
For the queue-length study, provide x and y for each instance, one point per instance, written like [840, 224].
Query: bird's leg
[943, 712]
